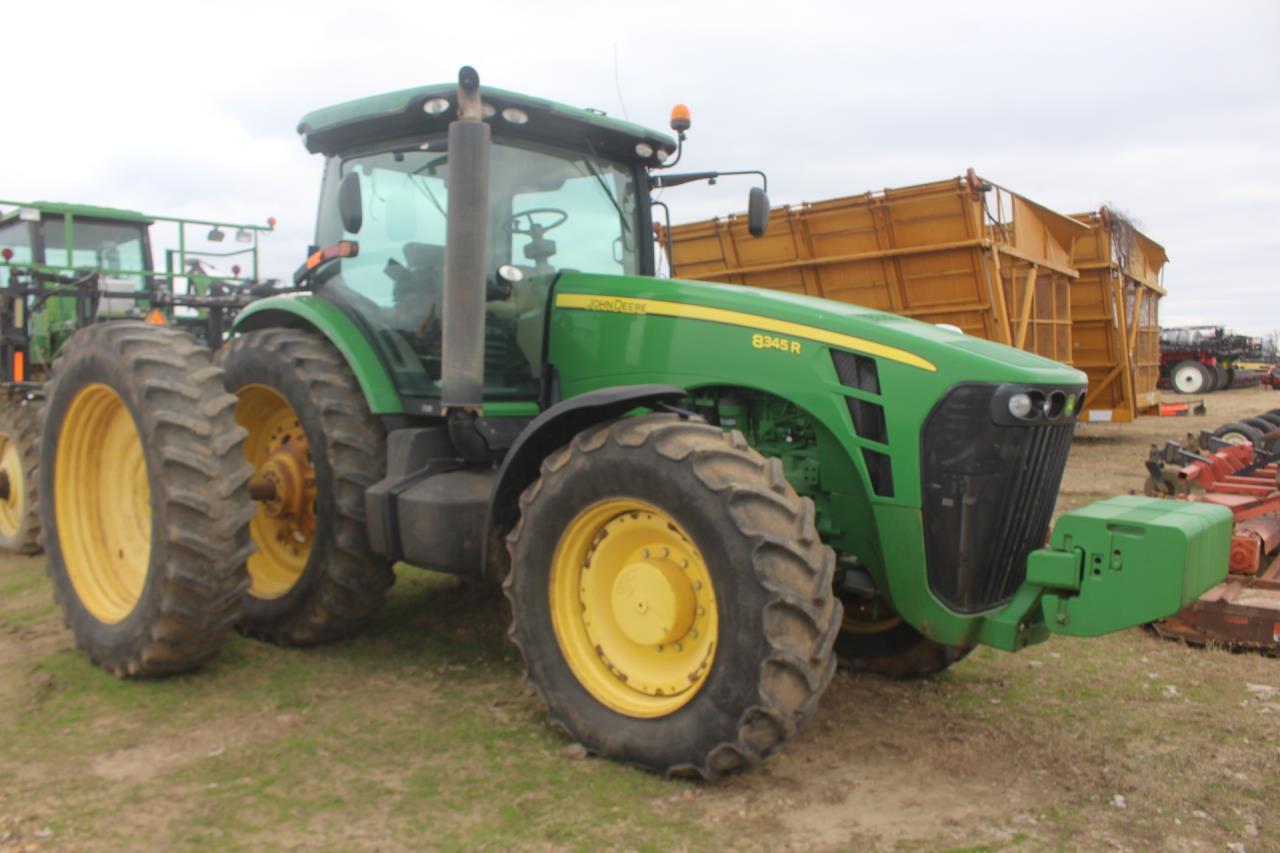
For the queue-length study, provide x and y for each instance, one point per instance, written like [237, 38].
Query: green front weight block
[1116, 564]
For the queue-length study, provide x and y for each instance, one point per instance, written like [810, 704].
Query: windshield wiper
[599, 176]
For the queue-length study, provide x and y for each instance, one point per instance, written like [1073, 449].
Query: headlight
[1020, 405]
[435, 106]
[515, 115]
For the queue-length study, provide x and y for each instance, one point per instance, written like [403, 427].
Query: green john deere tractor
[696, 496]
[67, 266]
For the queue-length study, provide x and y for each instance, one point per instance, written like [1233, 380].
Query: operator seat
[418, 286]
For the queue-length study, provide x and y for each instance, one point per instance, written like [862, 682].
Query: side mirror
[757, 212]
[350, 208]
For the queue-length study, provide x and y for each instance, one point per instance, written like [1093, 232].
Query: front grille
[988, 495]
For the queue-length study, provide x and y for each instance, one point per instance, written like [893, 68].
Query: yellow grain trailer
[1115, 320]
[963, 252]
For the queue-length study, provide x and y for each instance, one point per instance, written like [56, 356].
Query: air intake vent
[868, 420]
[856, 371]
[880, 470]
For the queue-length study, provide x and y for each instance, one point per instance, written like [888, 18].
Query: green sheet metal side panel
[619, 337]
[307, 311]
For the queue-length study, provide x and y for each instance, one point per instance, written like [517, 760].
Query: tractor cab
[71, 265]
[67, 245]
[567, 191]
[554, 206]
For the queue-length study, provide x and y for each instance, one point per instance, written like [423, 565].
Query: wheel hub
[653, 602]
[283, 485]
[292, 478]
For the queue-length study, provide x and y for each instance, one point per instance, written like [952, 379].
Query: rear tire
[891, 648]
[315, 578]
[19, 462]
[1190, 377]
[1224, 378]
[145, 510]
[768, 616]
[1264, 427]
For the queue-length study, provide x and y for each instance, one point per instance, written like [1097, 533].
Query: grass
[420, 733]
[421, 729]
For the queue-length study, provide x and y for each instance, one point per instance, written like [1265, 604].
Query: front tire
[875, 639]
[671, 597]
[19, 483]
[145, 504]
[312, 437]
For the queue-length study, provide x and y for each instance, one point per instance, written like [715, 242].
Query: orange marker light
[680, 118]
[155, 318]
[19, 366]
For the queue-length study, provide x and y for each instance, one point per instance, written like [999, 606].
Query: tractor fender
[550, 431]
[305, 311]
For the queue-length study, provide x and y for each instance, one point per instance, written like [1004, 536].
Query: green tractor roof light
[695, 495]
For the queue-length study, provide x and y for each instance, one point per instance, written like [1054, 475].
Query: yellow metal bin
[963, 251]
[1115, 321]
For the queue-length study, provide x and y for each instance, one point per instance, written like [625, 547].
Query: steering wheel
[513, 224]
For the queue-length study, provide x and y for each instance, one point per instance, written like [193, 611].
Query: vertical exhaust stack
[462, 370]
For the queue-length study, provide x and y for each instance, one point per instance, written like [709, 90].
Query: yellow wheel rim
[13, 496]
[633, 608]
[868, 617]
[103, 503]
[284, 526]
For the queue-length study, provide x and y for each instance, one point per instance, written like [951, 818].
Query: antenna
[617, 82]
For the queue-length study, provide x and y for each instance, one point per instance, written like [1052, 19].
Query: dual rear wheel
[145, 507]
[315, 448]
[148, 465]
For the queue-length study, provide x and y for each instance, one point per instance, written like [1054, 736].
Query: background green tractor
[692, 494]
[67, 266]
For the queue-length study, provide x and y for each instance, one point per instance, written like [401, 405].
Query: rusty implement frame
[1242, 612]
[1115, 321]
[964, 252]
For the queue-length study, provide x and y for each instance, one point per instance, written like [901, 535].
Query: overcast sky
[1169, 111]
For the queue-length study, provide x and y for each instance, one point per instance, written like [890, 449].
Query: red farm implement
[1242, 612]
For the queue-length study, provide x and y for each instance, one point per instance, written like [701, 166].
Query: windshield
[111, 246]
[551, 210]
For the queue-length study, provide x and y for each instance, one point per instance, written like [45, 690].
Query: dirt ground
[419, 734]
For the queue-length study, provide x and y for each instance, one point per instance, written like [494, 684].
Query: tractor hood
[927, 348]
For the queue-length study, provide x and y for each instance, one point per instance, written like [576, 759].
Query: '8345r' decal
[786, 345]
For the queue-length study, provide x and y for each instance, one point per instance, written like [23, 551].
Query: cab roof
[77, 211]
[343, 127]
